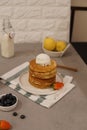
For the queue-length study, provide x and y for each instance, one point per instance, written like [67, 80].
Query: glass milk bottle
[7, 42]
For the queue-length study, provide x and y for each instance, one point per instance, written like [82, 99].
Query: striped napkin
[11, 79]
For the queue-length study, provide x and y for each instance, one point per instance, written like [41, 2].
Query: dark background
[80, 47]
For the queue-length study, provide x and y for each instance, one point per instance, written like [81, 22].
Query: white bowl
[55, 53]
[8, 108]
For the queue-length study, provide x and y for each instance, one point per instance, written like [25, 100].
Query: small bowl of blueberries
[8, 101]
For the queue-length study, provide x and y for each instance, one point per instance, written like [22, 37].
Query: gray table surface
[70, 113]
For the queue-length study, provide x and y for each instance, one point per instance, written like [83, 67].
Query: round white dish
[55, 53]
[24, 84]
[8, 108]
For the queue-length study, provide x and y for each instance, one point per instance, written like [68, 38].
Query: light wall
[33, 20]
[80, 22]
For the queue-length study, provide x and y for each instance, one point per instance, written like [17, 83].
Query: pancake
[39, 68]
[41, 83]
[42, 76]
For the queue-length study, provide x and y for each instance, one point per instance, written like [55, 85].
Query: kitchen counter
[70, 113]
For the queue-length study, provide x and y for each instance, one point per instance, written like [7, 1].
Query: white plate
[24, 84]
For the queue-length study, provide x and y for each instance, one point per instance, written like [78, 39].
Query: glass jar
[7, 42]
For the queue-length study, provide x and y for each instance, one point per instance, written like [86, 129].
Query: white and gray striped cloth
[11, 79]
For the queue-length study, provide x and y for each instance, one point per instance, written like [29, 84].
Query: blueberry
[22, 116]
[10, 95]
[15, 113]
[13, 102]
[0, 104]
[3, 98]
[5, 103]
[8, 101]
[2, 101]
[14, 98]
[7, 95]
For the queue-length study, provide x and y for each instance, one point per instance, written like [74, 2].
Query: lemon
[49, 43]
[60, 45]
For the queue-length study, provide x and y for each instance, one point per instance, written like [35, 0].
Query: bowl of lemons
[54, 48]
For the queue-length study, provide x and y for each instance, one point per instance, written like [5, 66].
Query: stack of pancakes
[42, 76]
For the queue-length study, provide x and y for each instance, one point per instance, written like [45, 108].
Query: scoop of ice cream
[43, 59]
